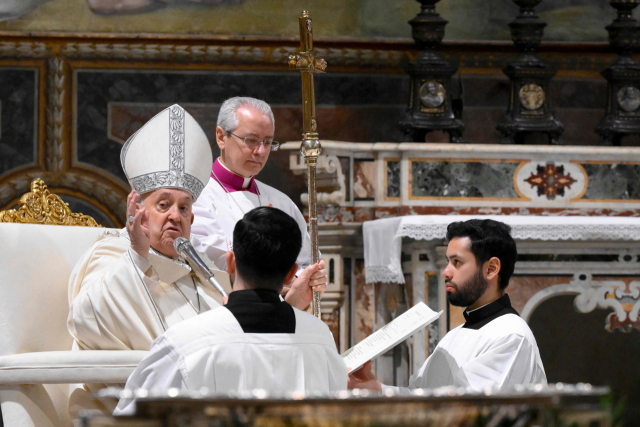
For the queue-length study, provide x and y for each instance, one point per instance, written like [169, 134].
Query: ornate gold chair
[42, 207]
[37, 256]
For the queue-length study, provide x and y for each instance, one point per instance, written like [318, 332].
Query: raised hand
[312, 278]
[138, 225]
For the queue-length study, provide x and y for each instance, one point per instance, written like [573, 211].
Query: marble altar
[584, 189]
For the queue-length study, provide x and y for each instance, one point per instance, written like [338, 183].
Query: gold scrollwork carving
[42, 207]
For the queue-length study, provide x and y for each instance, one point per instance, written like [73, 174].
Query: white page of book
[391, 334]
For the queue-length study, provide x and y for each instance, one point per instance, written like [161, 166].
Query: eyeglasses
[252, 143]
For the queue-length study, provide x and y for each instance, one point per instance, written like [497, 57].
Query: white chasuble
[212, 351]
[121, 301]
[217, 211]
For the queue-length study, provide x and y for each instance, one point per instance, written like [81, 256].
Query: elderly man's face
[170, 217]
[235, 154]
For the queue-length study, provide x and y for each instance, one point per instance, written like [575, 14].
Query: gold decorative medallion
[531, 96]
[432, 94]
[42, 207]
[629, 98]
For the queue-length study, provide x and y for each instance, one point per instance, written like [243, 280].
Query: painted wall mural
[568, 20]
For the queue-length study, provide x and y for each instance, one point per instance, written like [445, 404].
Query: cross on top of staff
[305, 59]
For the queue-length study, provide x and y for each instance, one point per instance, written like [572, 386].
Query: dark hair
[266, 244]
[489, 239]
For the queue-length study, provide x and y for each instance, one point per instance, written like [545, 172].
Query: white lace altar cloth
[383, 237]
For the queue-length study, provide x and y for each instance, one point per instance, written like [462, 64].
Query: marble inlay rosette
[549, 181]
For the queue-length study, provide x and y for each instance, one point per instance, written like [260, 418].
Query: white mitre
[169, 151]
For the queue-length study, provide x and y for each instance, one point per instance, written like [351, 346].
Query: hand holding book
[391, 334]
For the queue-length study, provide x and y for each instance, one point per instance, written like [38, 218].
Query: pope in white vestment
[131, 285]
[257, 341]
[122, 301]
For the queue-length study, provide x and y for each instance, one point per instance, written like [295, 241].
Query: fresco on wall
[568, 20]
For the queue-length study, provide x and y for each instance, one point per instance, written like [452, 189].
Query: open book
[391, 334]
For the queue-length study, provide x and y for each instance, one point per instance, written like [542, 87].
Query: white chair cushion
[60, 367]
[36, 366]
[36, 262]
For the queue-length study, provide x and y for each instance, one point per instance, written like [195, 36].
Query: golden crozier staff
[306, 62]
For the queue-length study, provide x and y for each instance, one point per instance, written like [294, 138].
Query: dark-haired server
[256, 341]
[495, 347]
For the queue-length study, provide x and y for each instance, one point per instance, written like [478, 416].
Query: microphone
[185, 248]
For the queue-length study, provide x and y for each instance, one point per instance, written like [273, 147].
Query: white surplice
[120, 301]
[217, 211]
[212, 351]
[501, 354]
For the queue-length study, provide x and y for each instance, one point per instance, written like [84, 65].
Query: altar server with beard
[245, 135]
[256, 341]
[494, 347]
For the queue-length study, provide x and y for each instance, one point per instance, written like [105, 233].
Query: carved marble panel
[391, 301]
[364, 304]
[345, 163]
[364, 179]
[461, 179]
[613, 181]
[432, 300]
[393, 179]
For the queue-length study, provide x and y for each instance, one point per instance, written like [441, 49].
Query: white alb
[212, 351]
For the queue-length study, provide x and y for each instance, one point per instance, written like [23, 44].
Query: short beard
[469, 292]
